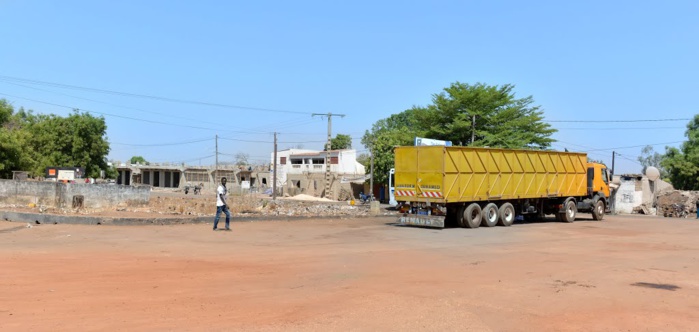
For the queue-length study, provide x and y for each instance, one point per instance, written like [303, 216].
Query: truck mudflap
[422, 220]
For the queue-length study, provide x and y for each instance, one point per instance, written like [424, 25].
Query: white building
[303, 171]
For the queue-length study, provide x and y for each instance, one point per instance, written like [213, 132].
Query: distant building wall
[627, 196]
[56, 194]
[637, 190]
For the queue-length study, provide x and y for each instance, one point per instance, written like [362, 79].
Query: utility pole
[274, 178]
[371, 176]
[328, 194]
[612, 193]
[216, 170]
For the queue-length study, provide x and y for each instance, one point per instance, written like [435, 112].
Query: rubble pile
[678, 204]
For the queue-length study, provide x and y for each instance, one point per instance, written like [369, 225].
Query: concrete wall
[627, 198]
[56, 194]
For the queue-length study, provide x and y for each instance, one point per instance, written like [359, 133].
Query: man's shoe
[215, 229]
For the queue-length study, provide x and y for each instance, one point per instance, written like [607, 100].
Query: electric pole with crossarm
[328, 193]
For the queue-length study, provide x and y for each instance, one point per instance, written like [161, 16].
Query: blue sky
[581, 61]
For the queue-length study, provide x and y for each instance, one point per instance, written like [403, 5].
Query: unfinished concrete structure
[637, 194]
[303, 172]
[179, 176]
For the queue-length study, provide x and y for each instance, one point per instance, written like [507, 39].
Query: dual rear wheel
[473, 216]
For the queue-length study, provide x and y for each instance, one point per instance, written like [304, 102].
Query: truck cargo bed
[442, 174]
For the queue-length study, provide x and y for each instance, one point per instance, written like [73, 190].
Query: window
[282, 160]
[196, 176]
[604, 176]
[146, 177]
[334, 160]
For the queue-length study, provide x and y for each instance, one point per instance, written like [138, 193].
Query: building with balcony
[303, 172]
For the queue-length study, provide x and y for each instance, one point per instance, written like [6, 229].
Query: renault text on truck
[472, 187]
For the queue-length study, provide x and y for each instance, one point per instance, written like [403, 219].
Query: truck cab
[598, 191]
[598, 178]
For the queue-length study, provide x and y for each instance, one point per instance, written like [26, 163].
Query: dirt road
[622, 274]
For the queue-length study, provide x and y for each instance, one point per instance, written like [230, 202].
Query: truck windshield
[605, 178]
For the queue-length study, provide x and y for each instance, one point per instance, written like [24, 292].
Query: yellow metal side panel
[406, 172]
[430, 161]
[452, 171]
[474, 174]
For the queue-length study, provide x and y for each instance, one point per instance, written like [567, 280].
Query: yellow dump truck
[470, 187]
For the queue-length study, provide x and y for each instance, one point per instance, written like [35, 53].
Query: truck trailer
[470, 187]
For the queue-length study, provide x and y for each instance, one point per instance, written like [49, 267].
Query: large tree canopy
[33, 142]
[682, 165]
[473, 115]
[490, 115]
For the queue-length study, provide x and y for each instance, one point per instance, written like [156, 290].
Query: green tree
[682, 165]
[77, 140]
[501, 120]
[484, 115]
[14, 154]
[341, 142]
[650, 158]
[396, 130]
[138, 160]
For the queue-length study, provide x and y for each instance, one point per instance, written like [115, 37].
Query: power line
[164, 144]
[110, 104]
[104, 113]
[634, 128]
[270, 142]
[627, 121]
[136, 95]
[635, 146]
[126, 117]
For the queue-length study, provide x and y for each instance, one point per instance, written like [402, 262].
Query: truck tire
[473, 215]
[598, 210]
[490, 215]
[506, 215]
[461, 216]
[571, 211]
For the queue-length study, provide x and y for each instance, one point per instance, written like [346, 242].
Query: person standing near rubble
[221, 205]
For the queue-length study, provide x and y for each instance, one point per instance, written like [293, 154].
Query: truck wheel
[490, 215]
[461, 216]
[571, 211]
[598, 210]
[472, 216]
[506, 215]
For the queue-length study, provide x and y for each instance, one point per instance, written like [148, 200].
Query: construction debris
[678, 204]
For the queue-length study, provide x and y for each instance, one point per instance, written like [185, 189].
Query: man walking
[221, 205]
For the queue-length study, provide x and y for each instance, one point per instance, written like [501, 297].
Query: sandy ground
[622, 274]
